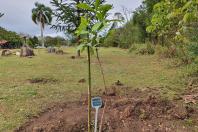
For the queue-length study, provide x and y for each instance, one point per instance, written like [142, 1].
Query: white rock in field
[18, 53]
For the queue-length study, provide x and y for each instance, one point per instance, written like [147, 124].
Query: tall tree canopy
[42, 15]
[170, 18]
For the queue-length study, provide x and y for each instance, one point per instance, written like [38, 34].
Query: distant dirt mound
[59, 52]
[42, 80]
[137, 112]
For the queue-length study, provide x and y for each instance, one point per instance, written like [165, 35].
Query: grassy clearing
[20, 99]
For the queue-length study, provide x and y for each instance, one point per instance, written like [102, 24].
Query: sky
[18, 15]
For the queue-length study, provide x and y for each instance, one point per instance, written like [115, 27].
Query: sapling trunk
[86, 27]
[89, 89]
[78, 52]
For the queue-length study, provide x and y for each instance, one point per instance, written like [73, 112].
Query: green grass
[20, 100]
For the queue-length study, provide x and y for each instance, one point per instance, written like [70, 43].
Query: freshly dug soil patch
[42, 80]
[138, 112]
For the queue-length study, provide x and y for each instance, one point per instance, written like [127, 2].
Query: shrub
[193, 49]
[112, 39]
[166, 52]
[132, 48]
[148, 50]
[181, 53]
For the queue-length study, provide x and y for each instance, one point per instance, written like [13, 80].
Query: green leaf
[150, 29]
[97, 3]
[105, 8]
[188, 17]
[89, 44]
[81, 46]
[99, 16]
[85, 6]
[96, 26]
[83, 26]
[105, 26]
[186, 6]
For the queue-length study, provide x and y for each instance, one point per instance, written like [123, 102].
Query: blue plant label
[96, 102]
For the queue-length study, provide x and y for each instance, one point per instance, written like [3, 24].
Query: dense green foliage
[171, 24]
[33, 42]
[124, 37]
[134, 31]
[55, 41]
[13, 38]
[170, 18]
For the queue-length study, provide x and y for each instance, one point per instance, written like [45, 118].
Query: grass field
[20, 99]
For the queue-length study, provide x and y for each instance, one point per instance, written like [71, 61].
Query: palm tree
[41, 15]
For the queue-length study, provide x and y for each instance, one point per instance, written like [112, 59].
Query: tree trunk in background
[42, 38]
[78, 52]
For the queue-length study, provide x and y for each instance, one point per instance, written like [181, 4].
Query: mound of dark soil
[59, 52]
[138, 112]
[42, 80]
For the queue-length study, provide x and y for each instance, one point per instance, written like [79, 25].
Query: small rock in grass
[82, 81]
[73, 57]
[37, 129]
[180, 112]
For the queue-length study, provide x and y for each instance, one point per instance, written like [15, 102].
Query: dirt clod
[37, 129]
[118, 83]
[73, 57]
[59, 52]
[127, 112]
[42, 80]
[180, 112]
[82, 81]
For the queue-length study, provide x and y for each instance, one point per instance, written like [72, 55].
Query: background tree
[120, 20]
[13, 38]
[170, 18]
[55, 41]
[68, 16]
[41, 15]
[33, 42]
